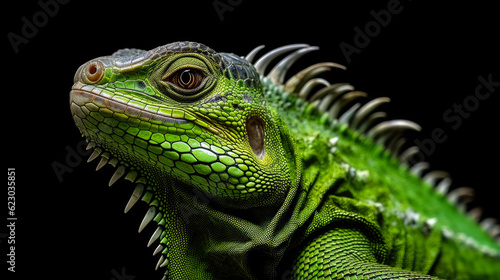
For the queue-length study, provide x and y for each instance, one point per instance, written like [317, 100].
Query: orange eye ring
[94, 71]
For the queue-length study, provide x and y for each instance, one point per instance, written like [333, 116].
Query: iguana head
[190, 126]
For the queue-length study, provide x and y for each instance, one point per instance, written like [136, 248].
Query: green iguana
[251, 177]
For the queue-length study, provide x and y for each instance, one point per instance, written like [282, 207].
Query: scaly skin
[207, 139]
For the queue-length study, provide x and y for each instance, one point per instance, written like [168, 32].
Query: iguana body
[249, 177]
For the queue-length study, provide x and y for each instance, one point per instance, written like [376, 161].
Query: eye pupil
[186, 78]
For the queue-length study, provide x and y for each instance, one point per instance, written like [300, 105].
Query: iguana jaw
[178, 142]
[175, 206]
[150, 188]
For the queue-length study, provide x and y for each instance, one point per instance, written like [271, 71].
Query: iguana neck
[245, 244]
[216, 239]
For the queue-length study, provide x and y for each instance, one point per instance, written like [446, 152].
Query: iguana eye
[184, 77]
[187, 78]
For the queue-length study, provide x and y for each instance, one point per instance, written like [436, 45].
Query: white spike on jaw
[120, 171]
[160, 261]
[131, 176]
[90, 145]
[148, 217]
[164, 263]
[136, 195]
[158, 249]
[97, 151]
[155, 236]
[113, 162]
[101, 164]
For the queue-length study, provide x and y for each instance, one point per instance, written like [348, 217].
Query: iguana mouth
[93, 99]
[80, 97]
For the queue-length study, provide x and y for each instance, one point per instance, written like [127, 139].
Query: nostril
[94, 71]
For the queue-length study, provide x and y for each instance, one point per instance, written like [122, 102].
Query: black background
[426, 60]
